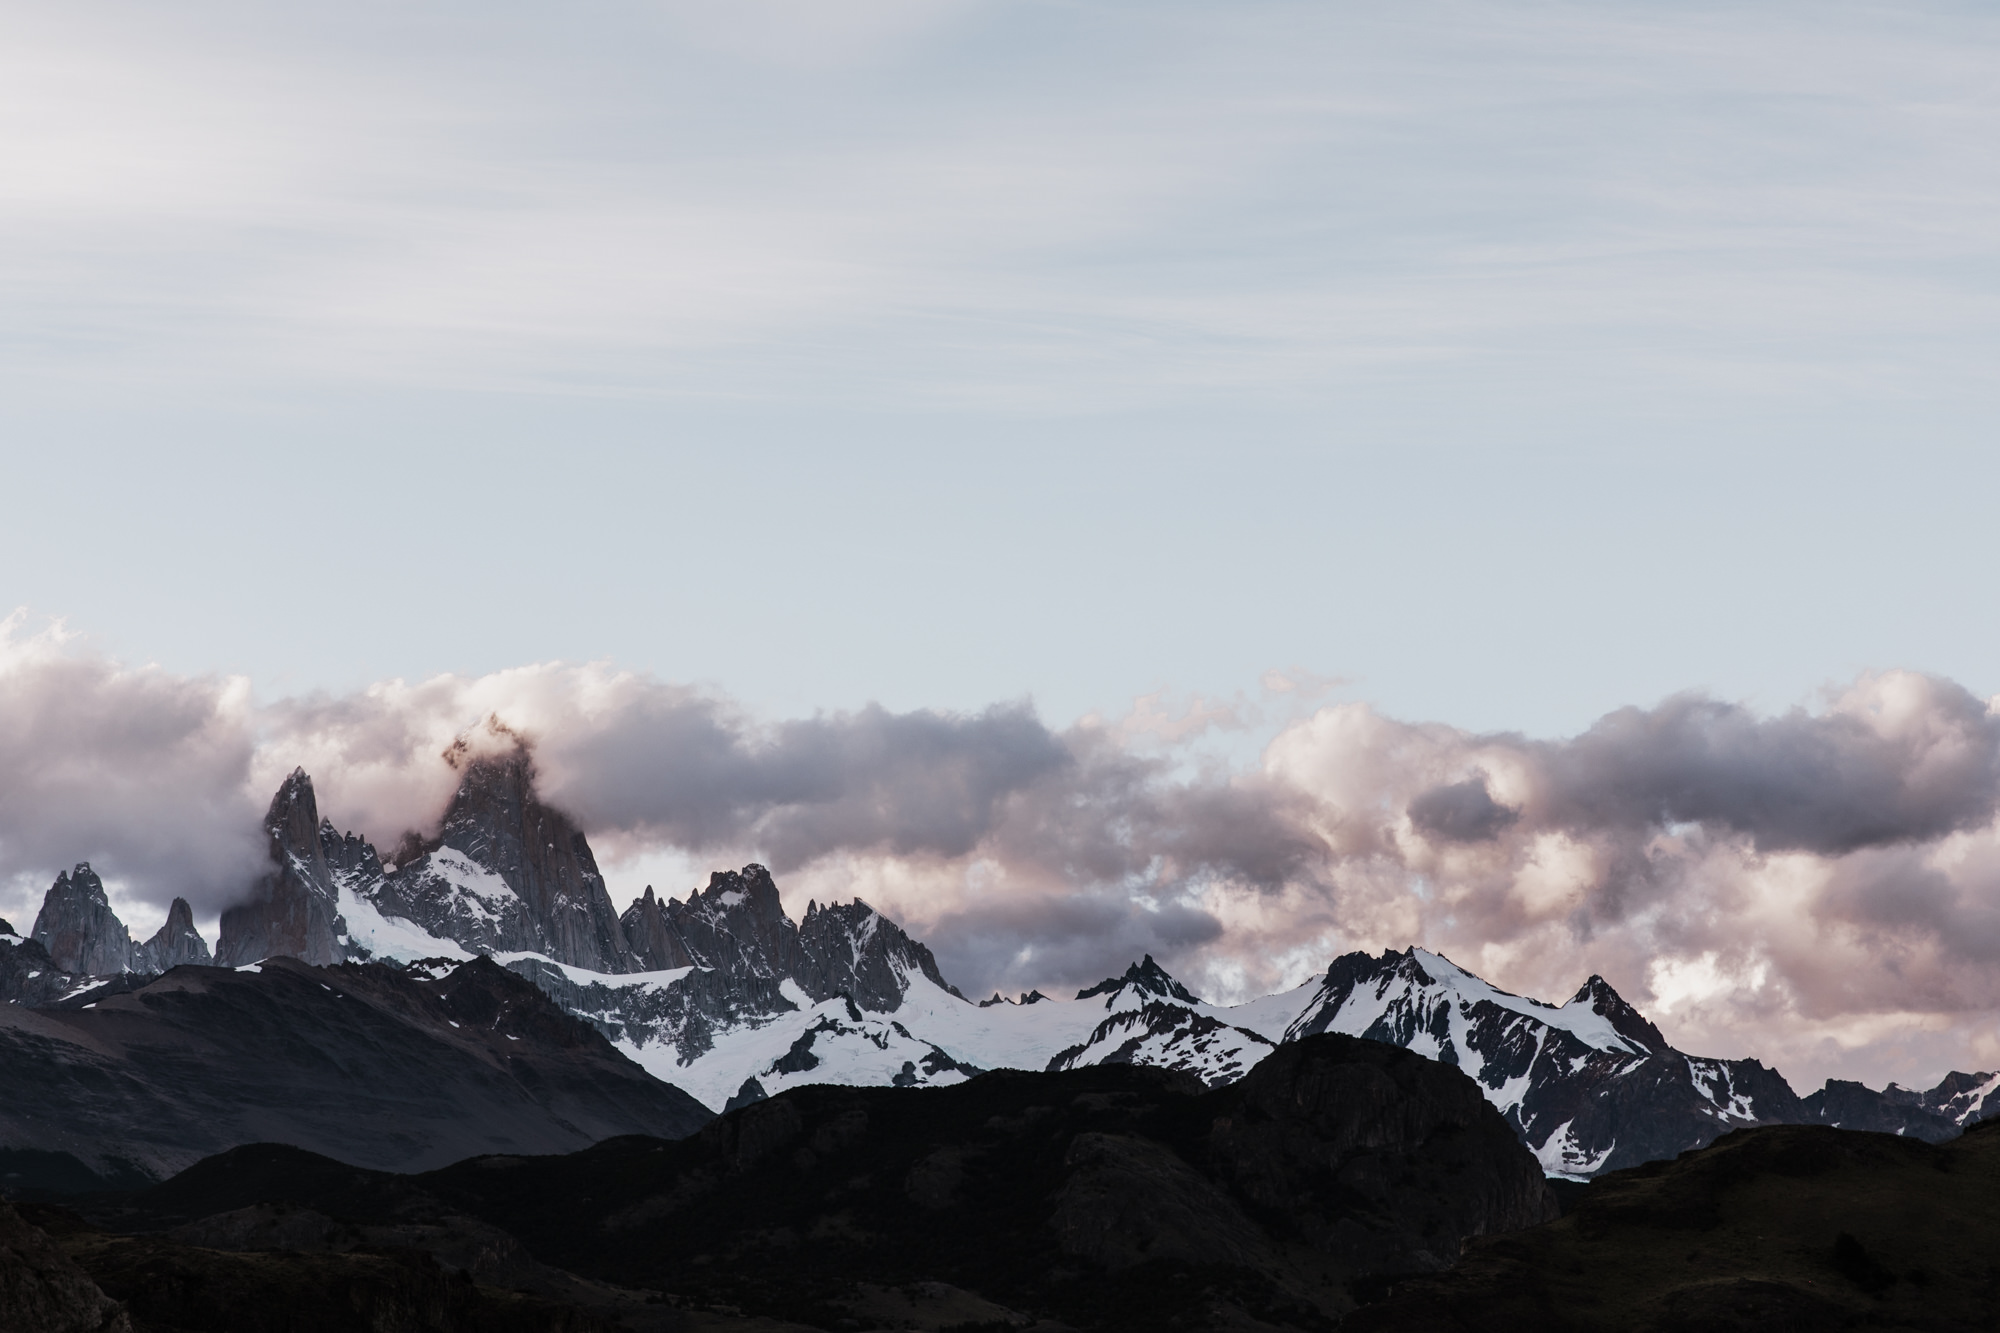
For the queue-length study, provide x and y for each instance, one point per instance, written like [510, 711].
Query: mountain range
[726, 997]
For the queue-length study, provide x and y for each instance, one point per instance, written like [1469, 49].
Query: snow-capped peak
[1145, 978]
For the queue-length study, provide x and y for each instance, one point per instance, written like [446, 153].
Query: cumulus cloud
[1820, 887]
[139, 772]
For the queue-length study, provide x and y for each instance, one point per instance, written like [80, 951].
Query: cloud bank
[1820, 887]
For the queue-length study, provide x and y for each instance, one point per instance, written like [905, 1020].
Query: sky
[1180, 398]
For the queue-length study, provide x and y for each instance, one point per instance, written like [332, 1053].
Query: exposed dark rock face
[348, 854]
[1895, 1110]
[1147, 977]
[851, 949]
[1593, 1086]
[1590, 1085]
[176, 943]
[751, 1091]
[1027, 997]
[506, 874]
[742, 948]
[687, 1014]
[365, 1062]
[78, 928]
[737, 925]
[1778, 1227]
[43, 1291]
[656, 945]
[1963, 1099]
[28, 976]
[293, 911]
[1597, 996]
[1151, 1019]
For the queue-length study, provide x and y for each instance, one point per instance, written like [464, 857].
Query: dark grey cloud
[1829, 783]
[1069, 809]
[1063, 942]
[689, 770]
[1462, 812]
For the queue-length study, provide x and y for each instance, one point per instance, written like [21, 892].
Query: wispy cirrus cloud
[855, 202]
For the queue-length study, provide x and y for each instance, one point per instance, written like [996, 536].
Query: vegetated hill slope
[369, 1064]
[1786, 1227]
[1108, 1197]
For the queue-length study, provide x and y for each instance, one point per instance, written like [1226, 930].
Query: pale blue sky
[1511, 362]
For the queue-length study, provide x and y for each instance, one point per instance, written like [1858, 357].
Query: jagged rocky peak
[1627, 1022]
[656, 945]
[78, 928]
[851, 949]
[737, 925]
[176, 943]
[348, 853]
[497, 821]
[293, 911]
[1963, 1098]
[506, 872]
[1027, 997]
[1147, 978]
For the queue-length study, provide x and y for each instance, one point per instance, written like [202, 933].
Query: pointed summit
[293, 911]
[1148, 978]
[738, 925]
[851, 949]
[79, 929]
[176, 943]
[1626, 1021]
[506, 873]
[656, 945]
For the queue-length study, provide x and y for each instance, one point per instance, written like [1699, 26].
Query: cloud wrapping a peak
[1821, 886]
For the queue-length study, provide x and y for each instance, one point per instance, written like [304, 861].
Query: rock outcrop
[737, 925]
[177, 942]
[28, 976]
[1590, 1085]
[853, 950]
[293, 911]
[505, 874]
[656, 946]
[78, 928]
[1151, 1019]
[43, 1291]
[740, 950]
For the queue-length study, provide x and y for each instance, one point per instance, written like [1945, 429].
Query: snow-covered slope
[1589, 1084]
[1146, 1017]
[725, 995]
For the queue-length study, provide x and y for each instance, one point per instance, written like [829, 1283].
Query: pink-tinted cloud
[1821, 888]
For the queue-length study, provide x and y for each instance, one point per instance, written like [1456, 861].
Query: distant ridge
[724, 995]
